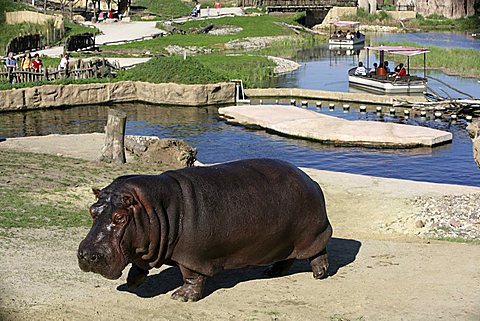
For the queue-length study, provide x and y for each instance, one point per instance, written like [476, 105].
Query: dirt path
[379, 269]
[373, 280]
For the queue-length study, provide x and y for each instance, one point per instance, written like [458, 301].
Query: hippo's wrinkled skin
[207, 219]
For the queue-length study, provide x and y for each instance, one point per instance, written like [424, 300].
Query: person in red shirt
[400, 71]
[218, 6]
[37, 63]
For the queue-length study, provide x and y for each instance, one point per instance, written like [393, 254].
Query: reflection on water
[219, 142]
[432, 39]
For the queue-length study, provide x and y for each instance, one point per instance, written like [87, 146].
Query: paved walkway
[298, 122]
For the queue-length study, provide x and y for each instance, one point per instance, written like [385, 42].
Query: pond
[325, 69]
[217, 141]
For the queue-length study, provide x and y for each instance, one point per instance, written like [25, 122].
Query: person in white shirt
[360, 70]
[64, 62]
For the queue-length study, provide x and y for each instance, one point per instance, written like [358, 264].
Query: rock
[283, 65]
[454, 223]
[474, 131]
[446, 8]
[78, 18]
[171, 152]
[419, 224]
[226, 30]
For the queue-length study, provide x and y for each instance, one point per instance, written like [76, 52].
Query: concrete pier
[302, 123]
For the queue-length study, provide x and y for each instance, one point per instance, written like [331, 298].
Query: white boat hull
[345, 43]
[372, 84]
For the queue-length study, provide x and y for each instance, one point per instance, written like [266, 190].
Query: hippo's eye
[119, 218]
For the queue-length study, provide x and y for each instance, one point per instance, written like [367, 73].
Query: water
[429, 39]
[217, 141]
[322, 69]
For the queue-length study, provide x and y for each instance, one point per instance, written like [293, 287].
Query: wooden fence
[96, 69]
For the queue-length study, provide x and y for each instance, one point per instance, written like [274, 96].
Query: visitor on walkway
[196, 10]
[37, 63]
[360, 70]
[11, 65]
[218, 6]
[26, 62]
[64, 62]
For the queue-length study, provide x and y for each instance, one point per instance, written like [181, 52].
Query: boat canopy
[400, 50]
[345, 24]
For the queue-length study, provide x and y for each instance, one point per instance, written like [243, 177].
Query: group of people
[381, 70]
[348, 35]
[29, 63]
[197, 8]
[26, 63]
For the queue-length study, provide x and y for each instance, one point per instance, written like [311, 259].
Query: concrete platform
[302, 123]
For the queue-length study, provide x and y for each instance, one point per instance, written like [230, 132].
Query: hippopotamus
[208, 219]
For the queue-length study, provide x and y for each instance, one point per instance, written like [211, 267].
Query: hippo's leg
[319, 264]
[136, 276]
[192, 287]
[279, 268]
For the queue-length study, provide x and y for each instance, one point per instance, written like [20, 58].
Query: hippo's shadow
[341, 252]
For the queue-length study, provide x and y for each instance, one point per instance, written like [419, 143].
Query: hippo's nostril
[93, 258]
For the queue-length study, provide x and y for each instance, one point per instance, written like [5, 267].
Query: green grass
[252, 27]
[165, 8]
[253, 70]
[464, 62]
[17, 209]
[75, 29]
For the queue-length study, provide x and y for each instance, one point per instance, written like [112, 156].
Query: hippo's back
[247, 212]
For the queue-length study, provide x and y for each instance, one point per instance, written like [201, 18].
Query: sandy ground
[377, 272]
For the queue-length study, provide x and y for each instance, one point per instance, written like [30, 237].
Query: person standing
[218, 6]
[37, 63]
[11, 64]
[26, 62]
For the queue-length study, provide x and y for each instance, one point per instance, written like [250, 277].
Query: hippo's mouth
[104, 270]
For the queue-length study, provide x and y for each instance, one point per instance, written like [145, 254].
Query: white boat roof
[400, 50]
[345, 23]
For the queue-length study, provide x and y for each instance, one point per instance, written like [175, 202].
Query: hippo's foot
[136, 276]
[192, 288]
[279, 268]
[319, 264]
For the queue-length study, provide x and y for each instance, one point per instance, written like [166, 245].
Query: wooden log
[113, 149]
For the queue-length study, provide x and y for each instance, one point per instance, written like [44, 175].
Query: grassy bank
[38, 190]
[166, 9]
[253, 70]
[250, 28]
[463, 62]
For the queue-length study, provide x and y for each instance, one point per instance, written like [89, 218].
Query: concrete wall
[402, 15]
[335, 14]
[32, 17]
[126, 91]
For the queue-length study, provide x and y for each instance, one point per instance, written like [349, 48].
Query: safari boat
[389, 83]
[345, 34]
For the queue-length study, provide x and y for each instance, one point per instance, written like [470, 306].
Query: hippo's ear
[128, 199]
[96, 191]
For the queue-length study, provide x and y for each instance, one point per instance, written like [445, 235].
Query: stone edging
[48, 96]
[326, 95]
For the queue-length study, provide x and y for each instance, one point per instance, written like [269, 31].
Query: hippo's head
[108, 246]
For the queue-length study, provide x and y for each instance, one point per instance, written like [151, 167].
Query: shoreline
[385, 208]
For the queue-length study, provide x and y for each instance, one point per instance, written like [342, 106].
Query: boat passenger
[358, 34]
[400, 70]
[349, 35]
[360, 70]
[385, 65]
[339, 34]
[373, 71]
